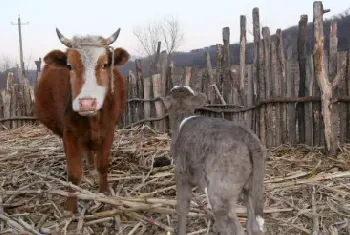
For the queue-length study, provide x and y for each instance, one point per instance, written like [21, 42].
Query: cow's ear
[167, 101]
[199, 100]
[56, 57]
[121, 56]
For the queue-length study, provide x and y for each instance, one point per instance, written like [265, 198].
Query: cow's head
[89, 60]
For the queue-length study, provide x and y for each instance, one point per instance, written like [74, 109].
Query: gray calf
[219, 156]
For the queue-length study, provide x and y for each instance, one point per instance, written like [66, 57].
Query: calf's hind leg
[183, 202]
[223, 202]
[253, 227]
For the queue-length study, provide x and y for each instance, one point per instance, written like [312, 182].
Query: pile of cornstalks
[306, 192]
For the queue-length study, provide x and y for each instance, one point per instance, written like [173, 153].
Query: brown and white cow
[76, 100]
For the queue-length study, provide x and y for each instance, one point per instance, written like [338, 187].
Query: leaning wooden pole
[326, 86]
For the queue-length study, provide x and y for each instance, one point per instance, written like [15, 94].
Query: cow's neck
[176, 118]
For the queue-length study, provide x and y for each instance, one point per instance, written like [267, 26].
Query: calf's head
[89, 60]
[182, 102]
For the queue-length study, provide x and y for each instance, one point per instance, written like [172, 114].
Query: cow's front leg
[101, 162]
[74, 167]
[90, 156]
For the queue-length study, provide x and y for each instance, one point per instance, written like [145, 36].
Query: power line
[20, 44]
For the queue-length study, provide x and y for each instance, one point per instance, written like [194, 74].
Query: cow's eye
[104, 66]
[70, 67]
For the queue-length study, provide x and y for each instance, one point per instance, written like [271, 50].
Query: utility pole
[20, 45]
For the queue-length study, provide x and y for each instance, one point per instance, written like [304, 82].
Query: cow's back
[51, 94]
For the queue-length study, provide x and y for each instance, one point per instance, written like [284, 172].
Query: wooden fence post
[9, 82]
[261, 88]
[332, 71]
[218, 70]
[275, 93]
[2, 108]
[187, 76]
[140, 88]
[250, 96]
[147, 96]
[126, 116]
[170, 76]
[302, 70]
[322, 79]
[157, 91]
[14, 106]
[242, 57]
[309, 127]
[27, 102]
[281, 66]
[133, 107]
[156, 85]
[291, 93]
[268, 85]
[211, 81]
[256, 34]
[226, 64]
[163, 67]
[7, 100]
[343, 91]
[164, 61]
[347, 93]
[38, 66]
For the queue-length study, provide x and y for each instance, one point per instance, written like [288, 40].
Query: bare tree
[6, 62]
[172, 34]
[168, 31]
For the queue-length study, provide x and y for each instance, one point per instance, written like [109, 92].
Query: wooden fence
[283, 100]
[16, 104]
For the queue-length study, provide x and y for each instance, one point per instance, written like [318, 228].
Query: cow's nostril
[87, 104]
[94, 104]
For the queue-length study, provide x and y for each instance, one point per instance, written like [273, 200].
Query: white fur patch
[187, 87]
[185, 119]
[190, 89]
[90, 89]
[208, 202]
[261, 222]
[175, 87]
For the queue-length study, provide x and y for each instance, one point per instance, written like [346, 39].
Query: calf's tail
[256, 189]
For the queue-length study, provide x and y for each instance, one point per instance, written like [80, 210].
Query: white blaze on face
[90, 88]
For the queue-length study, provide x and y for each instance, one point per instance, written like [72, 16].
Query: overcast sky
[202, 20]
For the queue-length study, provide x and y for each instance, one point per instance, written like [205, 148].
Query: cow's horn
[63, 39]
[112, 38]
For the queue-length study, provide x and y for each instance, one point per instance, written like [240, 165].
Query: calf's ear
[166, 101]
[199, 100]
[121, 56]
[56, 57]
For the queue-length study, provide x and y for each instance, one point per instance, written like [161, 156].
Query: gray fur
[225, 157]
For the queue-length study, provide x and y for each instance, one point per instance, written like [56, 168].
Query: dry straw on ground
[305, 191]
